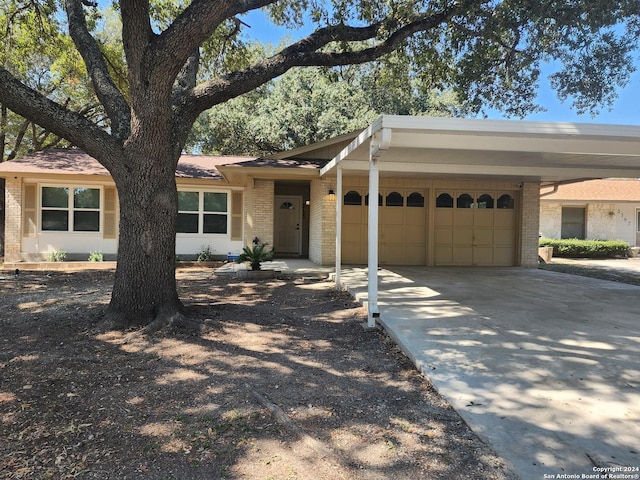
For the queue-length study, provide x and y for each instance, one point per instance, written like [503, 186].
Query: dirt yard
[282, 383]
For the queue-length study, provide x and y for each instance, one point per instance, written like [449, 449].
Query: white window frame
[201, 212]
[70, 208]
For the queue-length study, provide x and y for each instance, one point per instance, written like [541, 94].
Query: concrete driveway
[544, 366]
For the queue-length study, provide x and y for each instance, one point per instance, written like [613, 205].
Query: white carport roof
[470, 148]
[511, 150]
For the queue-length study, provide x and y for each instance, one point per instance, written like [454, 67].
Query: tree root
[170, 320]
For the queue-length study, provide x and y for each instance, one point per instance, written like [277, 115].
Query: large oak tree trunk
[144, 292]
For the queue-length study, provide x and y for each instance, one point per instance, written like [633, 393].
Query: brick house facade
[450, 192]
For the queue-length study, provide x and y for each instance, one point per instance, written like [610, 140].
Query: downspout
[381, 140]
[555, 185]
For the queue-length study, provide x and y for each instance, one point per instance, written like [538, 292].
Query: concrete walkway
[544, 366]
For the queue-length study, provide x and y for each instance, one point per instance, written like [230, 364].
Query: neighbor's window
[202, 212]
[65, 209]
[573, 223]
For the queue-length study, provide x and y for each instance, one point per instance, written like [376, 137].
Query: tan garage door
[402, 227]
[475, 228]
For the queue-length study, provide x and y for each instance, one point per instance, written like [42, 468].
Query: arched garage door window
[464, 201]
[395, 199]
[352, 198]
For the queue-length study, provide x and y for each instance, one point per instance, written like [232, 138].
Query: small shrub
[205, 254]
[56, 256]
[574, 248]
[96, 257]
[256, 255]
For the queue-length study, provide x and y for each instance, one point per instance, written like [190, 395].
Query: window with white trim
[203, 212]
[70, 209]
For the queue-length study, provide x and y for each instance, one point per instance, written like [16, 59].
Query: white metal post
[372, 307]
[339, 197]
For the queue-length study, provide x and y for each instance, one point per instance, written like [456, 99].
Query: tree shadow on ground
[78, 400]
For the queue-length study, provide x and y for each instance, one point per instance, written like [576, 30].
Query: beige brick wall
[550, 219]
[259, 208]
[13, 220]
[530, 225]
[322, 225]
[601, 221]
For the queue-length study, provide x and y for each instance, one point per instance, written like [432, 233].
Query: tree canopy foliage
[309, 105]
[174, 60]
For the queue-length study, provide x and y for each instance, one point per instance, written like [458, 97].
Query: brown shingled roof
[610, 190]
[75, 162]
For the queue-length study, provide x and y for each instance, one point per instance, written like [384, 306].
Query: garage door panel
[351, 232]
[503, 257]
[444, 217]
[393, 216]
[352, 253]
[402, 227]
[503, 237]
[443, 255]
[483, 237]
[483, 218]
[463, 236]
[414, 216]
[414, 234]
[463, 217]
[416, 253]
[392, 235]
[443, 236]
[484, 234]
[462, 255]
[504, 218]
[352, 214]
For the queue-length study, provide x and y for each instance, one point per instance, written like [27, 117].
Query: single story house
[449, 192]
[603, 209]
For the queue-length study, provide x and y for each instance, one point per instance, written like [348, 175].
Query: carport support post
[338, 228]
[372, 297]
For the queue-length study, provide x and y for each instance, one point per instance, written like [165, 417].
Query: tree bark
[144, 291]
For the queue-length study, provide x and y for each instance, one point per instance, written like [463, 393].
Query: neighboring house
[449, 192]
[607, 209]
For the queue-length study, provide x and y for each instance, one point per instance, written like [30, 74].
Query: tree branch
[52, 116]
[114, 102]
[136, 37]
[307, 52]
[196, 24]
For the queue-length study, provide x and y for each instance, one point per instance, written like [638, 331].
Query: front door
[288, 225]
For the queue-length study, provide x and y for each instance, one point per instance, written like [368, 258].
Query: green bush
[205, 254]
[56, 256]
[574, 248]
[96, 257]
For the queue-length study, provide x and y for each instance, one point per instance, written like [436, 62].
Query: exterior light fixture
[331, 192]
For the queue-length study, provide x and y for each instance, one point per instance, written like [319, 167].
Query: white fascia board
[513, 127]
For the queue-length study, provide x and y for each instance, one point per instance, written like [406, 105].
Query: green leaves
[308, 105]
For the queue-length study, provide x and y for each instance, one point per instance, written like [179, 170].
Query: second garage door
[475, 228]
